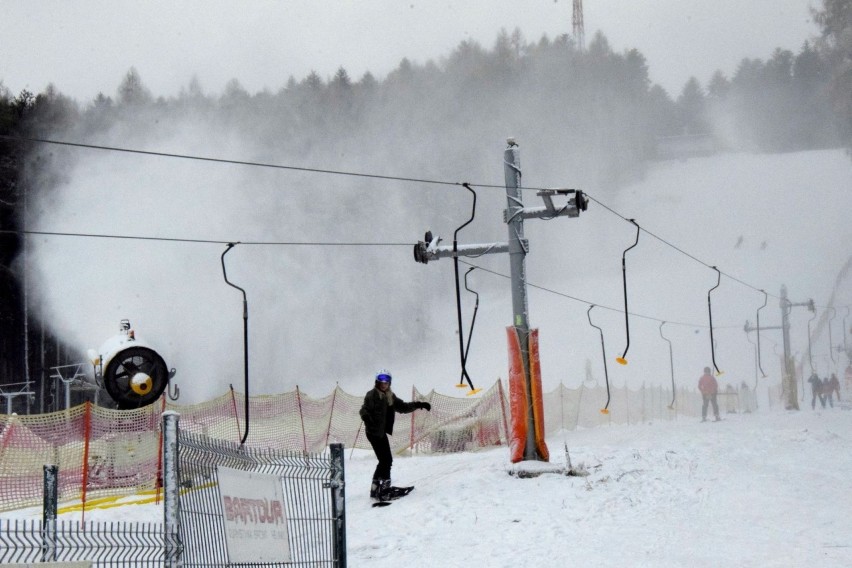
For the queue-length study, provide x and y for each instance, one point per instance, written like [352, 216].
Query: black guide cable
[830, 341]
[605, 409]
[759, 366]
[623, 359]
[710, 311]
[671, 365]
[245, 340]
[462, 352]
[755, 359]
[810, 355]
[472, 321]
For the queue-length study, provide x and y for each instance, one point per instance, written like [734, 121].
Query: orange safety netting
[108, 453]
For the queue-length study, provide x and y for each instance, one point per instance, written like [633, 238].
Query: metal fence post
[172, 548]
[338, 504]
[48, 530]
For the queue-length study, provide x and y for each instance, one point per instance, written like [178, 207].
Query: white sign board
[255, 519]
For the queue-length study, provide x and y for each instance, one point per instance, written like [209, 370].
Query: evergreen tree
[131, 91]
[692, 108]
[835, 20]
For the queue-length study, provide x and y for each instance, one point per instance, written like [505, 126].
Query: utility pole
[526, 409]
[788, 381]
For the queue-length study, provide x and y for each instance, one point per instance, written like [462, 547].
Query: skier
[834, 385]
[709, 390]
[378, 412]
[827, 393]
[816, 390]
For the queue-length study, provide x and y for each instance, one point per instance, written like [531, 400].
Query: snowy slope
[770, 489]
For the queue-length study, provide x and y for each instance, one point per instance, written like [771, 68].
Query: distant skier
[378, 412]
[709, 391]
[834, 385]
[816, 390]
[827, 392]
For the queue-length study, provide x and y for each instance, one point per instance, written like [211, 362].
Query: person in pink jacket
[709, 389]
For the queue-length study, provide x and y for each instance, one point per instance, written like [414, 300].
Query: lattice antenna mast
[579, 28]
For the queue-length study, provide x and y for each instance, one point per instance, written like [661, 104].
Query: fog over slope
[322, 314]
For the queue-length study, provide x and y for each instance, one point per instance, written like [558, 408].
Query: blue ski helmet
[383, 376]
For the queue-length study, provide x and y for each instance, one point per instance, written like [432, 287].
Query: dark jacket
[378, 416]
[816, 384]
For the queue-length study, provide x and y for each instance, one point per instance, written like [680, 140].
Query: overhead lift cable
[336, 172]
[230, 161]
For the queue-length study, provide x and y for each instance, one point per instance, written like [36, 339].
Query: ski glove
[425, 406]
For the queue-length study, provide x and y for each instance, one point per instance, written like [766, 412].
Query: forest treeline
[594, 113]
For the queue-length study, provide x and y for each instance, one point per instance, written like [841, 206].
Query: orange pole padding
[517, 397]
[537, 397]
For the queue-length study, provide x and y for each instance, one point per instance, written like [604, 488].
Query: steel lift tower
[524, 382]
[788, 380]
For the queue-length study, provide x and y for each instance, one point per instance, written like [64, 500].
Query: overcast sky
[87, 46]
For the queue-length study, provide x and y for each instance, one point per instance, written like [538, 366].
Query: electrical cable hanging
[245, 340]
[710, 311]
[605, 409]
[472, 322]
[845, 348]
[623, 359]
[765, 298]
[210, 159]
[462, 352]
[671, 365]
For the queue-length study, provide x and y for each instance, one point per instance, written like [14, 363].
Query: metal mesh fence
[103, 453]
[308, 501]
[106, 545]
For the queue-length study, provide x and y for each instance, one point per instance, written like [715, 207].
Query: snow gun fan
[132, 372]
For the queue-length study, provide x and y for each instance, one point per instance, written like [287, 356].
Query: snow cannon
[130, 370]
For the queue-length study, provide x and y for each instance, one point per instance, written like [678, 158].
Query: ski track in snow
[753, 490]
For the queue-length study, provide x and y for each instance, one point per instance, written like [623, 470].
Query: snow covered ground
[772, 488]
